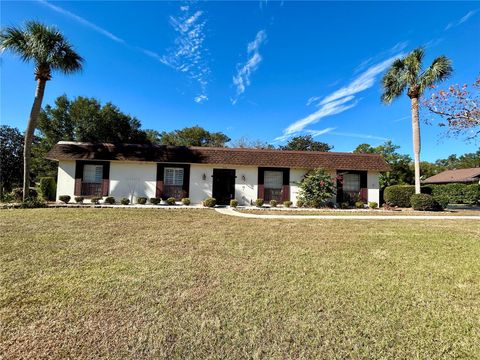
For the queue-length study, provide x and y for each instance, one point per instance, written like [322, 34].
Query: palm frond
[15, 40]
[413, 63]
[394, 81]
[439, 70]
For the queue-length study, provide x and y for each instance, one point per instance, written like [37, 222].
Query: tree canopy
[11, 161]
[193, 136]
[306, 143]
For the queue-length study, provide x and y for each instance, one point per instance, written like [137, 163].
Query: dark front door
[223, 185]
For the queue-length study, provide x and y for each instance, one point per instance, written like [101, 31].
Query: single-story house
[466, 176]
[134, 170]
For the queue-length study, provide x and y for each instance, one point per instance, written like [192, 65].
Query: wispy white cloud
[244, 71]
[398, 47]
[461, 20]
[401, 119]
[101, 30]
[316, 133]
[189, 53]
[339, 100]
[312, 99]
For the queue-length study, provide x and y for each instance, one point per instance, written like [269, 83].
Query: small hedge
[399, 195]
[33, 203]
[233, 203]
[455, 193]
[259, 202]
[424, 202]
[48, 188]
[300, 203]
[64, 198]
[186, 201]
[18, 193]
[79, 199]
[209, 202]
[109, 200]
[155, 201]
[372, 204]
[287, 203]
[95, 200]
[171, 201]
[125, 201]
[360, 205]
[273, 203]
[141, 200]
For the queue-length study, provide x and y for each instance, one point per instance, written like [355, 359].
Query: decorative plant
[64, 198]
[316, 187]
[95, 200]
[125, 201]
[109, 200]
[287, 203]
[372, 204]
[186, 201]
[209, 202]
[141, 200]
[259, 202]
[233, 203]
[155, 201]
[273, 203]
[79, 199]
[171, 201]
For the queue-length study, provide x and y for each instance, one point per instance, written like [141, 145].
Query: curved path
[231, 212]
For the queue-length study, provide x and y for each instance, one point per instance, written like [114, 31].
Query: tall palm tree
[407, 73]
[50, 51]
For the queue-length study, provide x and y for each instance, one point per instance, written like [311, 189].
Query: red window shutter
[105, 178]
[159, 187]
[261, 191]
[78, 178]
[364, 194]
[285, 192]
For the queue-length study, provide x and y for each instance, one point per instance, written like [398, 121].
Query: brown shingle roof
[206, 155]
[458, 175]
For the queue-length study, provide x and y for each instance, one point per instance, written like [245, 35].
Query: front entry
[223, 185]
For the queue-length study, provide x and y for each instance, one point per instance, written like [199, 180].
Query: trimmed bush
[18, 193]
[155, 201]
[125, 201]
[48, 188]
[424, 202]
[109, 200]
[64, 198]
[360, 205]
[186, 201]
[171, 201]
[259, 202]
[209, 202]
[79, 199]
[141, 200]
[95, 200]
[233, 203]
[316, 187]
[273, 203]
[287, 203]
[344, 205]
[300, 203]
[33, 203]
[455, 193]
[399, 195]
[372, 204]
[330, 204]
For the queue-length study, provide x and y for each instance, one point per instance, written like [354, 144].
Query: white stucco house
[134, 170]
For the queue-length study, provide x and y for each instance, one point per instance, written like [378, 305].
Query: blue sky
[263, 70]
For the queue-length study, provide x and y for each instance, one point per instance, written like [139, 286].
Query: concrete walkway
[232, 212]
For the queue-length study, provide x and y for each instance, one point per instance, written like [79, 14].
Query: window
[273, 183]
[92, 180]
[351, 182]
[173, 183]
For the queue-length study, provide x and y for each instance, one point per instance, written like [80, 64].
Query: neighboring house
[132, 170]
[469, 176]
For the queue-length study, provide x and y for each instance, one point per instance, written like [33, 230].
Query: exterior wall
[66, 178]
[373, 184]
[245, 190]
[132, 180]
[296, 175]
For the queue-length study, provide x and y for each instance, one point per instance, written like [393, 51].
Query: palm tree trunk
[32, 124]
[416, 141]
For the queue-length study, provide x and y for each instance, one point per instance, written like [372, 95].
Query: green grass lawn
[377, 212]
[133, 283]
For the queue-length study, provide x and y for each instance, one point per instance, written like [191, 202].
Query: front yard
[141, 283]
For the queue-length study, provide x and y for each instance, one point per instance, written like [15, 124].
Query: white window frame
[177, 177]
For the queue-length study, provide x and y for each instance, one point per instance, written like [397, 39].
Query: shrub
[359, 204]
[125, 201]
[330, 204]
[6, 198]
[141, 200]
[48, 188]
[155, 201]
[32, 203]
[64, 198]
[186, 201]
[109, 200]
[399, 195]
[18, 193]
[273, 203]
[95, 200]
[233, 203]
[456, 193]
[424, 202]
[79, 199]
[287, 203]
[372, 204]
[171, 201]
[344, 205]
[316, 187]
[300, 203]
[259, 202]
[209, 202]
